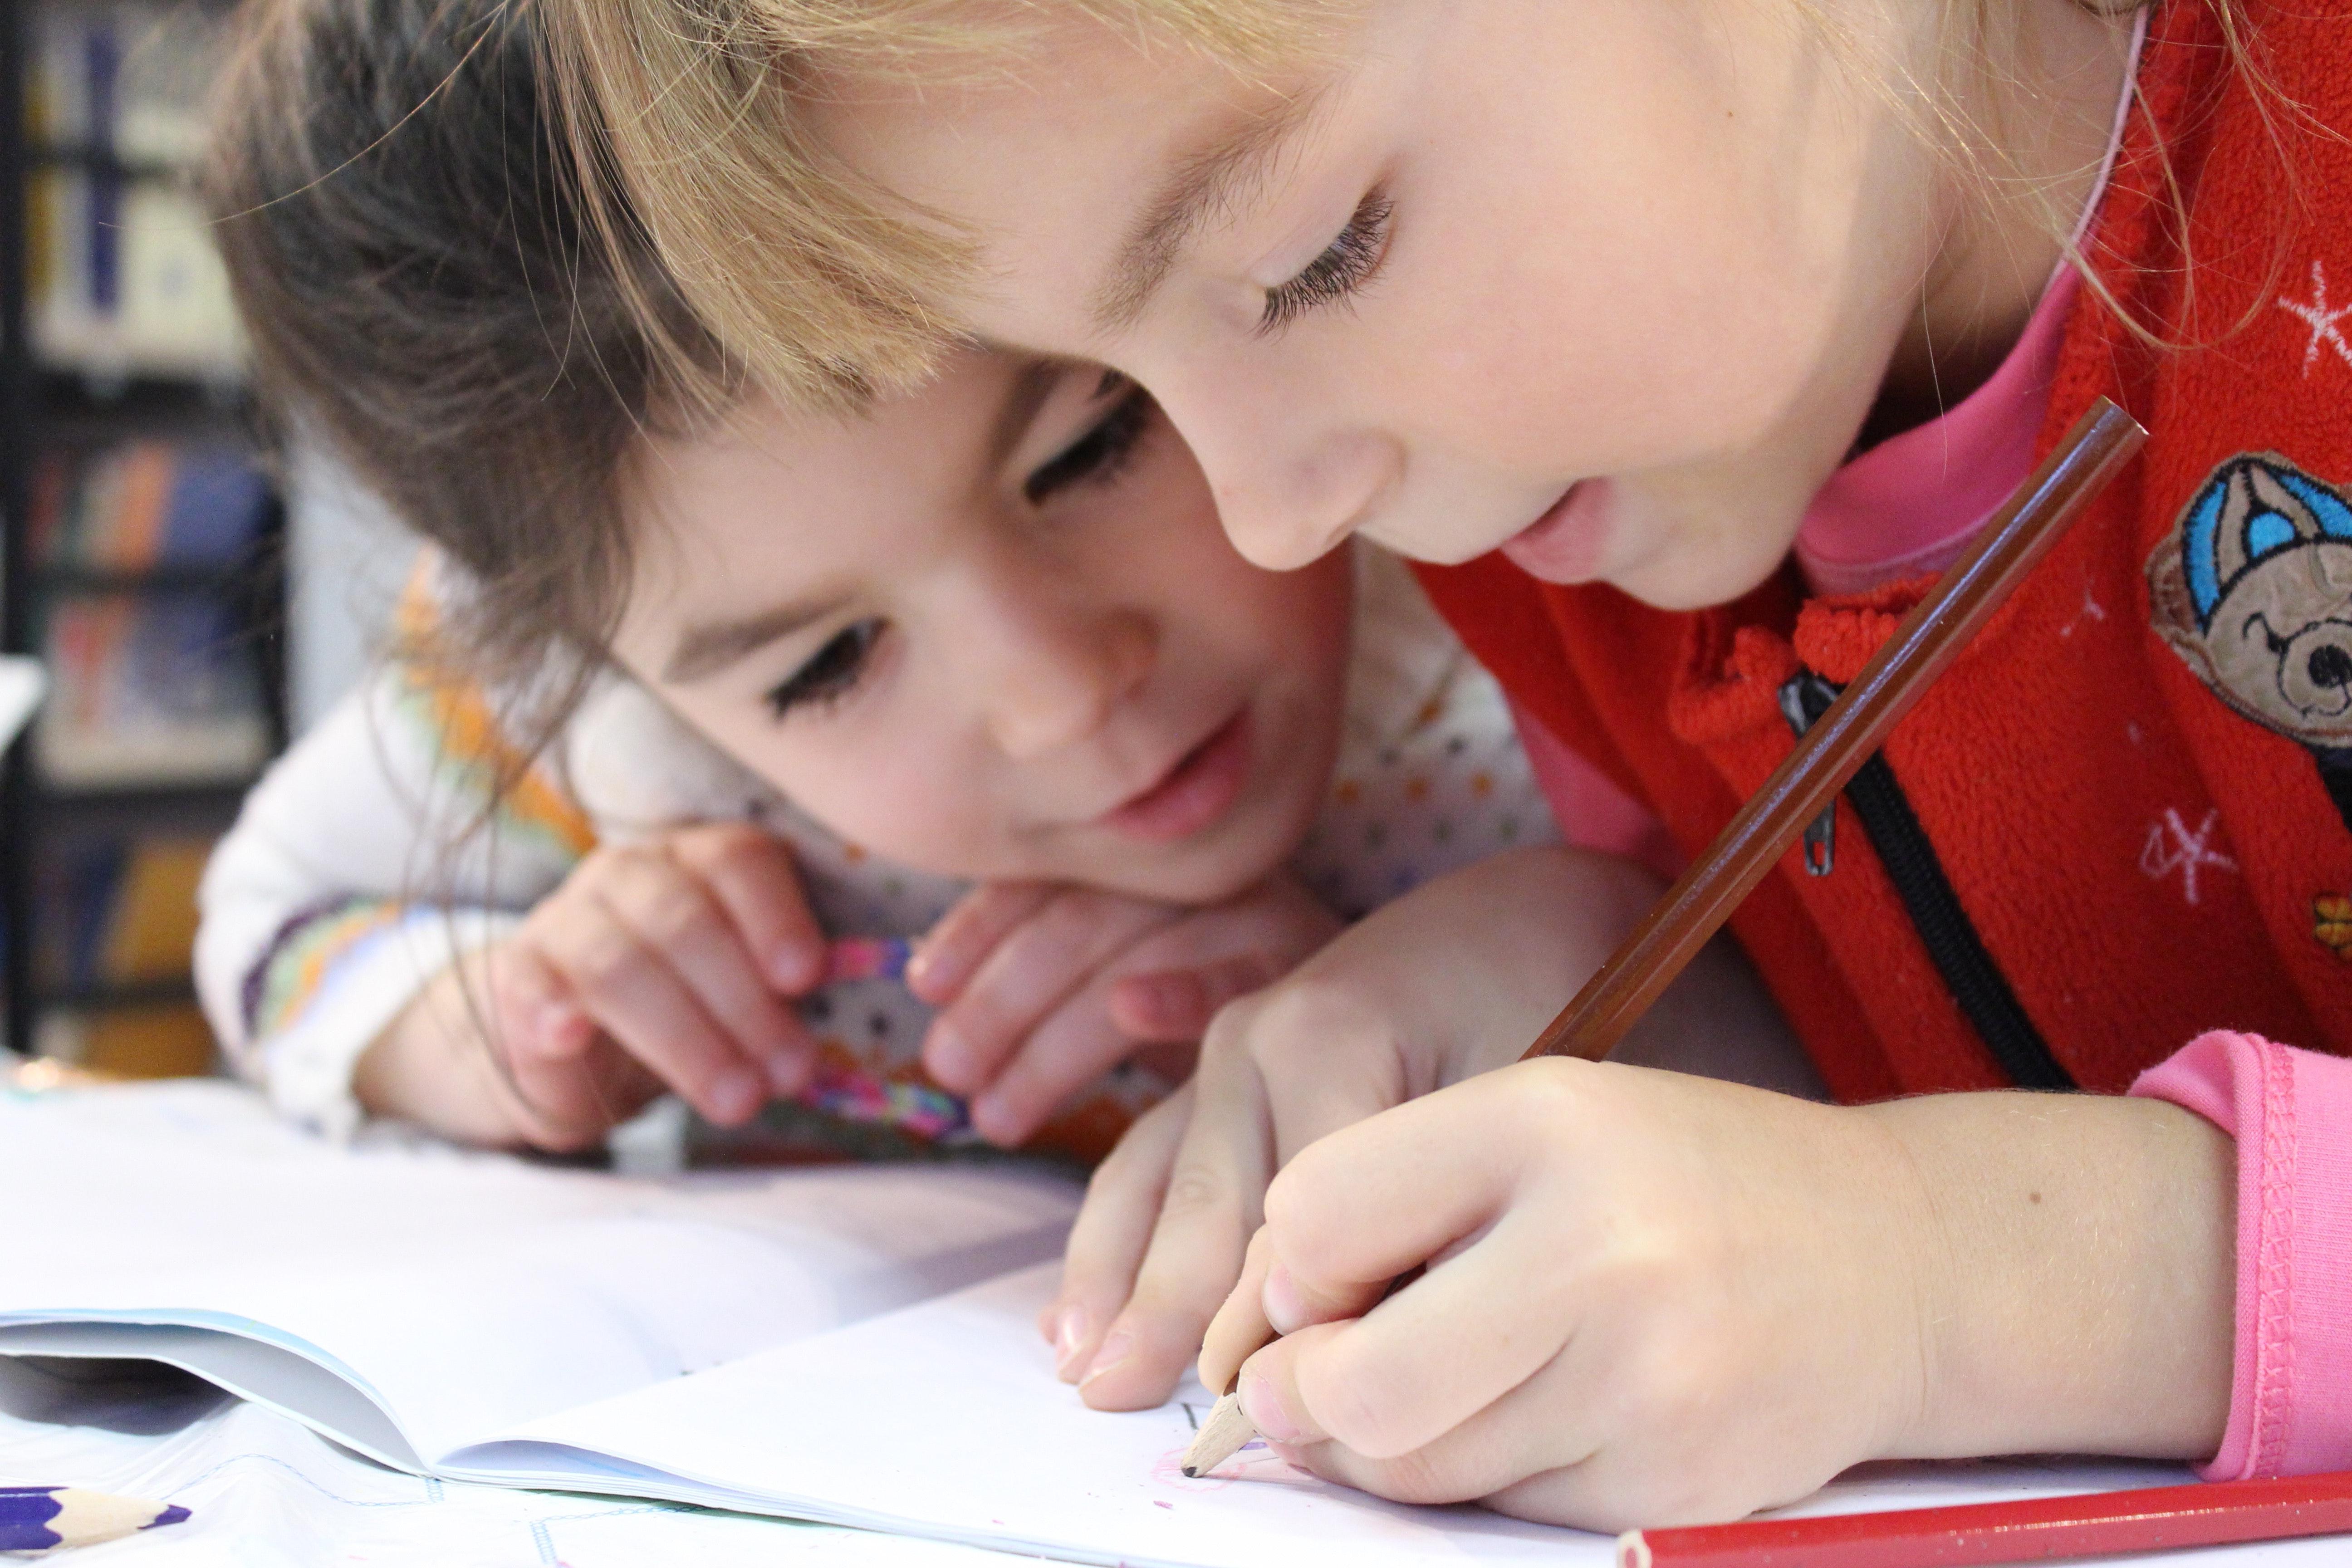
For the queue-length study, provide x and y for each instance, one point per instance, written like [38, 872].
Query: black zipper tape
[1958, 953]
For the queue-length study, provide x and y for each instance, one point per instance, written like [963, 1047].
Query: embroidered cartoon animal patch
[2254, 592]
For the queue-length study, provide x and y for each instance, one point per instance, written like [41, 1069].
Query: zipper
[1958, 953]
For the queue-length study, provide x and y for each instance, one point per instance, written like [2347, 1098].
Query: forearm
[2075, 1269]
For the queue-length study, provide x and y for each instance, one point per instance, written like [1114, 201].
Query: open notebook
[849, 1344]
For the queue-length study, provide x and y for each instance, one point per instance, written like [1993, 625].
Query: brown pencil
[2012, 540]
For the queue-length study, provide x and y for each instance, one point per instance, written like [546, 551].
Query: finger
[1515, 1450]
[1240, 1329]
[1327, 1055]
[1206, 1216]
[1372, 1200]
[1419, 1363]
[943, 963]
[570, 1104]
[634, 996]
[675, 916]
[564, 1085]
[751, 873]
[1070, 1049]
[1033, 970]
[532, 1012]
[1176, 1005]
[1109, 1239]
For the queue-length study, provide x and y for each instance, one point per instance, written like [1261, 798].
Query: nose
[1290, 485]
[1054, 672]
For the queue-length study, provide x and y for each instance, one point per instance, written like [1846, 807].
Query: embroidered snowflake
[2173, 847]
[2314, 314]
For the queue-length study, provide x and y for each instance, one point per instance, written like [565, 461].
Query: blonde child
[698, 686]
[1686, 338]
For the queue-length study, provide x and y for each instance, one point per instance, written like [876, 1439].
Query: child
[1691, 337]
[987, 632]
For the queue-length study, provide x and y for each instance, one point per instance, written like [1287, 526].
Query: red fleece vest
[2127, 777]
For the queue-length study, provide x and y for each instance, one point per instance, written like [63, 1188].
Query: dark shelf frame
[46, 404]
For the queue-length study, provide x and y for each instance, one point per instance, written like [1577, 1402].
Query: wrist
[2074, 1292]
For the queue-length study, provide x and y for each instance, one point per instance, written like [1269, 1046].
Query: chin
[1696, 579]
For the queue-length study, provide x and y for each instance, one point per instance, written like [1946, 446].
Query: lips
[1198, 789]
[1567, 543]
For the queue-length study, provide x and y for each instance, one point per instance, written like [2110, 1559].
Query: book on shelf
[150, 689]
[137, 505]
[121, 909]
[124, 276]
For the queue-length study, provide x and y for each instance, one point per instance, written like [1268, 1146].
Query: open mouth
[1200, 788]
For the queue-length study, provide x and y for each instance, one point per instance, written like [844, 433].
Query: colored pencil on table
[2012, 540]
[35, 1519]
[2149, 1519]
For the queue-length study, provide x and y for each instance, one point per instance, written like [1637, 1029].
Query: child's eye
[831, 673]
[1343, 267]
[1099, 453]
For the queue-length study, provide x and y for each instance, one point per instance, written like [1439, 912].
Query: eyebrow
[1206, 183]
[706, 650]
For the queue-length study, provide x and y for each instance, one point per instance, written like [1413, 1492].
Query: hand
[1450, 981]
[666, 963]
[1655, 1299]
[1043, 987]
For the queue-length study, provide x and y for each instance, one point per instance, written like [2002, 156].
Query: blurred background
[192, 599]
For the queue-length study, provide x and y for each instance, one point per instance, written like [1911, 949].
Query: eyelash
[834, 671]
[1098, 456]
[1346, 265]
[831, 673]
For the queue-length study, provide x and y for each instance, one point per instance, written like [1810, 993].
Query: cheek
[914, 802]
[1639, 285]
[895, 789]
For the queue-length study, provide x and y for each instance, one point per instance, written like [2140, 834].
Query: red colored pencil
[2149, 1519]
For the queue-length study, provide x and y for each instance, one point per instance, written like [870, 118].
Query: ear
[2171, 614]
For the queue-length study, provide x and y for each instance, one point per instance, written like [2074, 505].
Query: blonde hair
[823, 284]
[827, 288]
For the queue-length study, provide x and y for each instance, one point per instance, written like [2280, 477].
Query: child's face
[993, 630]
[1610, 285]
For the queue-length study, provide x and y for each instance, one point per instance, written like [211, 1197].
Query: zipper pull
[1803, 700]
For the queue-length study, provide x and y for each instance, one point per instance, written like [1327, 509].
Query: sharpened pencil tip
[1221, 1437]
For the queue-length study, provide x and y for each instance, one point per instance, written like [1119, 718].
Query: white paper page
[266, 1493]
[471, 1292]
[946, 1420]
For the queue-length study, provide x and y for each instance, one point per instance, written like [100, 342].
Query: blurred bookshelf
[144, 544]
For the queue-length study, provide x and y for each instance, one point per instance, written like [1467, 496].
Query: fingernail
[991, 1121]
[1285, 1310]
[794, 967]
[735, 1095]
[1115, 1349]
[550, 1022]
[1069, 1339]
[1264, 1409]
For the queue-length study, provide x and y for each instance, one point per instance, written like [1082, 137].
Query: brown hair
[395, 203]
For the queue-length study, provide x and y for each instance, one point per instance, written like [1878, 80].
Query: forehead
[1051, 162]
[768, 492]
